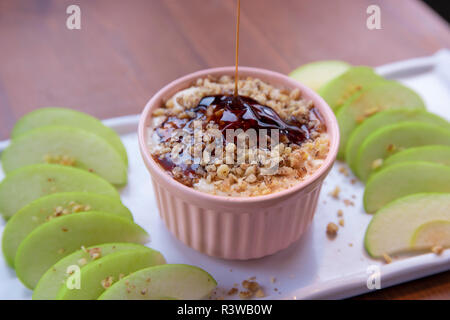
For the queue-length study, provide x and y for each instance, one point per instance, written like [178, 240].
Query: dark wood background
[127, 50]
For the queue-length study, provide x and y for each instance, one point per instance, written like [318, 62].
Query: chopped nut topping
[260, 293]
[348, 203]
[332, 229]
[391, 148]
[335, 192]
[437, 250]
[107, 282]
[232, 291]
[95, 253]
[250, 285]
[387, 258]
[245, 294]
[82, 262]
[62, 160]
[377, 163]
[344, 171]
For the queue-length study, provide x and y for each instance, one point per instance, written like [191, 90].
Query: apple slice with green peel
[390, 139]
[436, 154]
[69, 146]
[54, 240]
[380, 96]
[318, 73]
[341, 88]
[393, 226]
[433, 233]
[53, 206]
[71, 118]
[178, 281]
[26, 184]
[102, 273]
[382, 119]
[402, 179]
[55, 277]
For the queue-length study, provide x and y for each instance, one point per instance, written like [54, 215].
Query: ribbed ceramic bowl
[237, 227]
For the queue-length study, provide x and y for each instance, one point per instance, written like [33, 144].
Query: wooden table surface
[127, 50]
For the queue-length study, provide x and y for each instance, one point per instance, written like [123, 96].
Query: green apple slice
[70, 118]
[382, 119]
[54, 240]
[178, 281]
[55, 277]
[66, 145]
[436, 154]
[318, 73]
[102, 273]
[26, 184]
[378, 97]
[433, 233]
[393, 226]
[341, 88]
[390, 139]
[402, 179]
[53, 206]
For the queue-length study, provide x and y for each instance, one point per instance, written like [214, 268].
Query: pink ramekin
[237, 227]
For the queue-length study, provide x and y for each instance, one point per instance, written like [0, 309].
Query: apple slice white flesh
[430, 234]
[53, 206]
[318, 73]
[402, 179]
[177, 281]
[24, 185]
[337, 91]
[393, 226]
[55, 277]
[69, 146]
[383, 119]
[390, 139]
[379, 96]
[434, 153]
[102, 273]
[67, 117]
[54, 240]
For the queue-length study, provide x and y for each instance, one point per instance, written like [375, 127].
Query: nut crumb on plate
[387, 258]
[437, 250]
[335, 192]
[332, 229]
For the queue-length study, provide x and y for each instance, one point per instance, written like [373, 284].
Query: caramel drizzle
[236, 93]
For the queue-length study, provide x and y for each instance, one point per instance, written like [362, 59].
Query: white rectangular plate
[313, 268]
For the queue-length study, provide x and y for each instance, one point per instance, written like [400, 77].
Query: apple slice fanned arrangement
[396, 147]
[68, 235]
